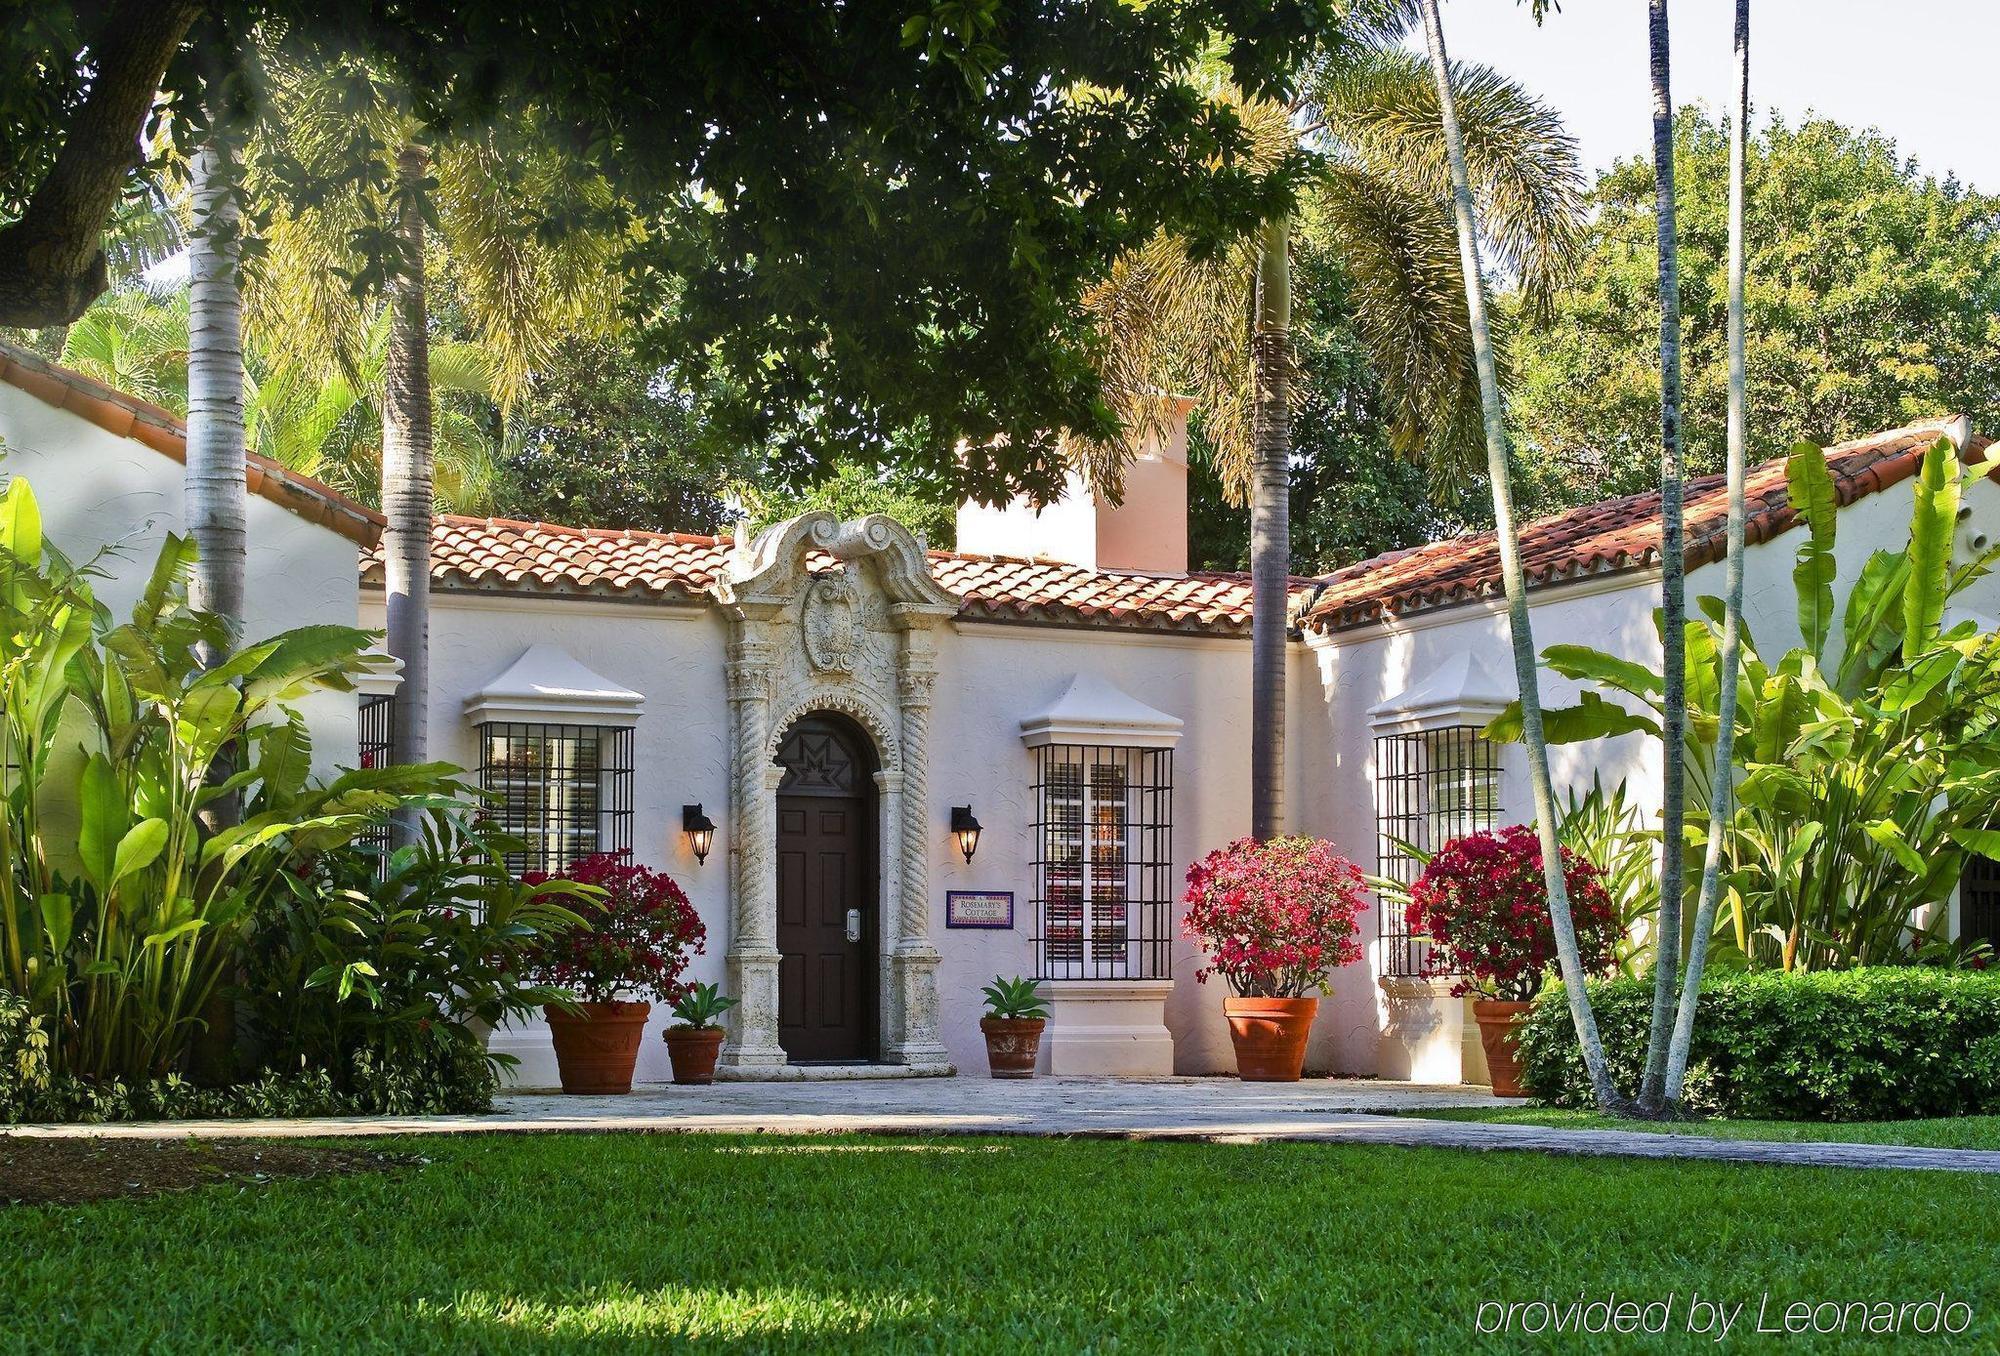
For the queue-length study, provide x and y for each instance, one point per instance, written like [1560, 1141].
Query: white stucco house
[837, 700]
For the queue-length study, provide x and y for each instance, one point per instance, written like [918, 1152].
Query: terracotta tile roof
[1003, 588]
[1615, 536]
[503, 555]
[142, 421]
[507, 556]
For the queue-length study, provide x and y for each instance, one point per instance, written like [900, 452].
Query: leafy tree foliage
[854, 490]
[600, 438]
[1873, 300]
[873, 217]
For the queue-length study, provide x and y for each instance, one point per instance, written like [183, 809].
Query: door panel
[823, 979]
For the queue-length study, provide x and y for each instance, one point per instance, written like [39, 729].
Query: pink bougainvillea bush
[1277, 917]
[635, 946]
[1484, 906]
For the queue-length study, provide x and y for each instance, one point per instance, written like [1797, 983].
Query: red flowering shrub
[635, 945]
[1484, 906]
[1276, 917]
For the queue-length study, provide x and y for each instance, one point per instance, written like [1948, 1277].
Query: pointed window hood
[547, 685]
[384, 674]
[1092, 711]
[1459, 691]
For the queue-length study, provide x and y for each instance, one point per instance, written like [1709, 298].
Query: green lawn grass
[644, 1243]
[1953, 1132]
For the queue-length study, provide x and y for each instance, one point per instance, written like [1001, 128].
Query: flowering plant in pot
[1015, 1016]
[633, 949]
[695, 1038]
[1482, 903]
[1276, 918]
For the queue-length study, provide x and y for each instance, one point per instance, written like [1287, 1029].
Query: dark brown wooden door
[824, 978]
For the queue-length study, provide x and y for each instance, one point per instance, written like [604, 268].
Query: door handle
[854, 925]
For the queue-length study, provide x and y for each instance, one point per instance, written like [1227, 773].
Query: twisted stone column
[751, 963]
[913, 1039]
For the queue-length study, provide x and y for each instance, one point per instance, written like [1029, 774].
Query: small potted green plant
[695, 1038]
[1015, 1016]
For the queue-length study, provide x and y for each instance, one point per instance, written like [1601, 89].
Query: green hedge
[452, 1076]
[1873, 1044]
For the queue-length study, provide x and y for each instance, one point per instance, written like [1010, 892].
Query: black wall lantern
[965, 830]
[700, 831]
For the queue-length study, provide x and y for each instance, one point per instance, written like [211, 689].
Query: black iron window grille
[1104, 862]
[376, 728]
[564, 790]
[1431, 786]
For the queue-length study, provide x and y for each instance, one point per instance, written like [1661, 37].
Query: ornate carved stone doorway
[833, 618]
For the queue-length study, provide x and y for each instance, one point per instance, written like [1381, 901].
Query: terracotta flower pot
[595, 1052]
[1012, 1044]
[1499, 1033]
[693, 1050]
[1270, 1036]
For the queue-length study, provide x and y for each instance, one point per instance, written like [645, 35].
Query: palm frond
[468, 469]
[1381, 113]
[1401, 255]
[1178, 324]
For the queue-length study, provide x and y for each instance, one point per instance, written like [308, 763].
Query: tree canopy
[872, 219]
[1873, 300]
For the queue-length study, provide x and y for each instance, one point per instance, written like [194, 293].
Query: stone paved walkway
[1348, 1111]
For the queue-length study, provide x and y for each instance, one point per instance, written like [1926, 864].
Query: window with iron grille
[1431, 786]
[376, 728]
[1104, 848]
[565, 790]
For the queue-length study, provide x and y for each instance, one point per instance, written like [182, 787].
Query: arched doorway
[828, 891]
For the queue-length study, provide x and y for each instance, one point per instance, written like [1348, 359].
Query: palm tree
[327, 425]
[1673, 570]
[216, 494]
[1179, 321]
[522, 291]
[1493, 421]
[1270, 524]
[407, 473]
[1721, 807]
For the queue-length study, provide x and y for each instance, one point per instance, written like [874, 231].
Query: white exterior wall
[990, 678]
[1357, 669]
[101, 492]
[680, 745]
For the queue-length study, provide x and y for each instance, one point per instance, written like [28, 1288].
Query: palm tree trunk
[407, 475]
[1673, 569]
[1564, 926]
[1722, 797]
[214, 491]
[1270, 527]
[214, 486]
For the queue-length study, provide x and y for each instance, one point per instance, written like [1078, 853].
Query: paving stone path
[1346, 1111]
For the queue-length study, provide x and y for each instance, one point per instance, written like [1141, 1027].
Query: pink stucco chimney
[1147, 531]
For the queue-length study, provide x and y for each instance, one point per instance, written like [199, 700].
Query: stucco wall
[680, 744]
[990, 677]
[1363, 667]
[100, 492]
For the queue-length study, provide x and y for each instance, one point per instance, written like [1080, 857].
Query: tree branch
[52, 263]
